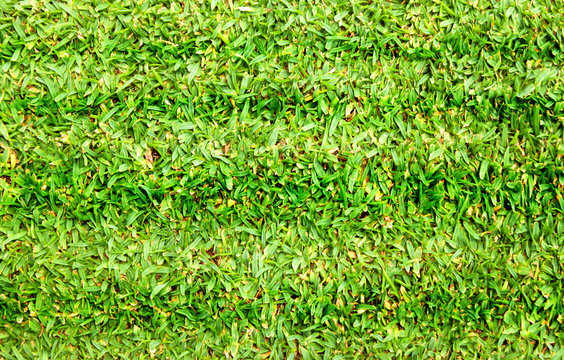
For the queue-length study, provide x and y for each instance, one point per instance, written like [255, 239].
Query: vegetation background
[280, 179]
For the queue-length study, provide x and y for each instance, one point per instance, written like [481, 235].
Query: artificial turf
[281, 180]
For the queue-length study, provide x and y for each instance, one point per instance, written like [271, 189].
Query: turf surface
[285, 180]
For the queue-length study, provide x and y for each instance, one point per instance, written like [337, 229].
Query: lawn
[292, 180]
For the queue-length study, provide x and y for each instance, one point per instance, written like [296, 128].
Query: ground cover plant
[281, 180]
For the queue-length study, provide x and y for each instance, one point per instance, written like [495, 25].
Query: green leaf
[4, 131]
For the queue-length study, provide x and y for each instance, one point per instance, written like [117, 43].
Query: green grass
[285, 180]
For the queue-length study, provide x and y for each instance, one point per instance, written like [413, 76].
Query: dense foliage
[288, 180]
